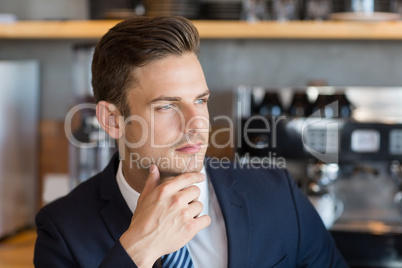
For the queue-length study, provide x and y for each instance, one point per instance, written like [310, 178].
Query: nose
[196, 118]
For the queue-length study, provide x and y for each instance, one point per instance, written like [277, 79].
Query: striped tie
[178, 259]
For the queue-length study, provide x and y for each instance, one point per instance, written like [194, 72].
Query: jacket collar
[115, 214]
[234, 205]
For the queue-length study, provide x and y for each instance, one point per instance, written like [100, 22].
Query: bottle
[317, 9]
[254, 107]
[344, 106]
[284, 10]
[324, 105]
[270, 105]
[300, 105]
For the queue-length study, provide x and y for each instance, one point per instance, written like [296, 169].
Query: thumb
[153, 179]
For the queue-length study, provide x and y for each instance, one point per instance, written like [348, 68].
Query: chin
[193, 168]
[190, 163]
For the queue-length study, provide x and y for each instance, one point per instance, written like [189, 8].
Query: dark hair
[133, 43]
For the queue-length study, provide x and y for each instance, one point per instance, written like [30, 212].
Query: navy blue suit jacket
[269, 223]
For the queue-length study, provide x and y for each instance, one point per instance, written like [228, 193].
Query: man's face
[170, 120]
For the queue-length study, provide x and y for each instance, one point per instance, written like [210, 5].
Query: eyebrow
[167, 98]
[206, 93]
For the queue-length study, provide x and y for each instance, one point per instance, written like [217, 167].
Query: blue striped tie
[178, 259]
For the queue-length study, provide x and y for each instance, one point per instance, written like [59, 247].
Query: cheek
[167, 128]
[137, 132]
[204, 121]
[206, 116]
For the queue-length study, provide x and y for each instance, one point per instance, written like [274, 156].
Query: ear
[108, 116]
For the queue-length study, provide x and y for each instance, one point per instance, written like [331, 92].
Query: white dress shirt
[209, 246]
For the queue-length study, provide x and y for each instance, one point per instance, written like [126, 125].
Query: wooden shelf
[301, 30]
[215, 30]
[55, 29]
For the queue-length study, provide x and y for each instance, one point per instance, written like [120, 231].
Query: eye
[165, 107]
[201, 101]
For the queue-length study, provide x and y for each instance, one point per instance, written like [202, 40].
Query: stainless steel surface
[369, 197]
[19, 106]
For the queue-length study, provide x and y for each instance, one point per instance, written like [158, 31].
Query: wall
[294, 62]
[46, 9]
[228, 63]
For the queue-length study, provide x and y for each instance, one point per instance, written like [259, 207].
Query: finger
[195, 208]
[196, 192]
[152, 181]
[184, 180]
[200, 223]
[189, 194]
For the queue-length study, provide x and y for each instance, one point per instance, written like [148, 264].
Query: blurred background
[345, 52]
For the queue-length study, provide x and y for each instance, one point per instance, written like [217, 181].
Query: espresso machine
[343, 146]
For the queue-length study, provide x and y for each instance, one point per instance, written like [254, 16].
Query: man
[157, 205]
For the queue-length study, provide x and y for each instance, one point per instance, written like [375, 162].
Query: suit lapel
[116, 219]
[234, 206]
[115, 214]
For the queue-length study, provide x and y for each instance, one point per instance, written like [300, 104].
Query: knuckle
[164, 190]
[184, 214]
[177, 200]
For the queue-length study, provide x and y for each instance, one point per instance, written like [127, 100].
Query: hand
[165, 218]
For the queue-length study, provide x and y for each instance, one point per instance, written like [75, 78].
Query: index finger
[184, 180]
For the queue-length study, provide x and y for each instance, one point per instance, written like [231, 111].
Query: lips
[190, 148]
